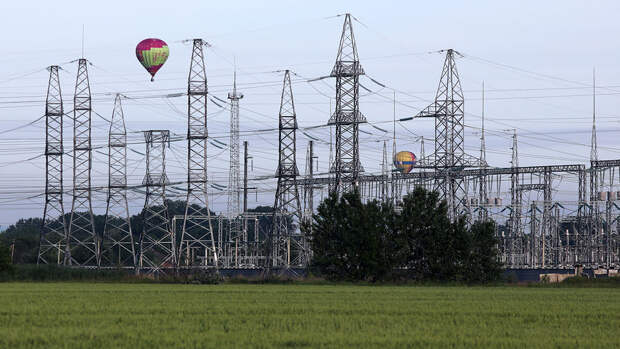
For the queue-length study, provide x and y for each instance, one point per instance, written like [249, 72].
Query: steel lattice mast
[448, 111]
[197, 230]
[288, 243]
[117, 235]
[157, 244]
[234, 179]
[53, 239]
[516, 203]
[347, 117]
[84, 244]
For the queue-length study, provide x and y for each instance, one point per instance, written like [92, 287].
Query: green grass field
[108, 315]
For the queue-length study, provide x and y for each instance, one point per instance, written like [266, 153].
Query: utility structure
[483, 197]
[347, 116]
[53, 235]
[118, 241]
[516, 198]
[288, 243]
[157, 243]
[448, 112]
[308, 188]
[234, 202]
[84, 244]
[197, 231]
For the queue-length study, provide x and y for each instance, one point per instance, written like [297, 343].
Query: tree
[482, 263]
[350, 239]
[372, 241]
[438, 249]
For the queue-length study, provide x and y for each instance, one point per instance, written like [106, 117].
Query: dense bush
[352, 240]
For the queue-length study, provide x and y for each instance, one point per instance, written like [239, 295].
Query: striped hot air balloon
[404, 161]
[152, 54]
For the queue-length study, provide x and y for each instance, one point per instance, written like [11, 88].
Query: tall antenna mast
[394, 127]
[593, 145]
[82, 40]
[483, 150]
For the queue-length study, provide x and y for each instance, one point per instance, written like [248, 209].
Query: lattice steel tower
[197, 232]
[289, 246]
[84, 243]
[118, 242]
[234, 180]
[234, 205]
[448, 112]
[347, 117]
[53, 238]
[157, 244]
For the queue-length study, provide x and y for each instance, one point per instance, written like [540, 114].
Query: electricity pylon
[84, 244]
[53, 238]
[288, 243]
[197, 232]
[117, 234]
[347, 117]
[157, 244]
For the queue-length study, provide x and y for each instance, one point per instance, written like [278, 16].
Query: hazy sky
[535, 57]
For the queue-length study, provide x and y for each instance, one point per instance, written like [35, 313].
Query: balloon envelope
[152, 54]
[404, 161]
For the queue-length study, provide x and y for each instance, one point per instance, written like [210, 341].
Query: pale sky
[535, 58]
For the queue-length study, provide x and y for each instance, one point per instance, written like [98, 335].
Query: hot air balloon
[152, 54]
[404, 161]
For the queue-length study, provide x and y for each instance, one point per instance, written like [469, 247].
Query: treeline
[375, 241]
[350, 240]
[22, 238]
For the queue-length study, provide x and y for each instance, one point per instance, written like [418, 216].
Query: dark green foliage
[24, 235]
[350, 239]
[6, 266]
[482, 264]
[356, 241]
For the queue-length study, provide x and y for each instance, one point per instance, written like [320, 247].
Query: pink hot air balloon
[152, 54]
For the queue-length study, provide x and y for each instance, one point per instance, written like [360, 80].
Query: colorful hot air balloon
[404, 161]
[152, 54]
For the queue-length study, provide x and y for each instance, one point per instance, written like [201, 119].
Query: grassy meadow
[113, 315]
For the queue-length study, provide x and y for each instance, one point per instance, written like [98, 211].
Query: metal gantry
[347, 116]
[84, 243]
[157, 250]
[197, 246]
[288, 243]
[118, 240]
[53, 238]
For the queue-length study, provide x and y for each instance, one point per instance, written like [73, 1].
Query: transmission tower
[516, 232]
[448, 112]
[157, 244]
[288, 243]
[83, 240]
[197, 233]
[53, 238]
[117, 234]
[347, 117]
